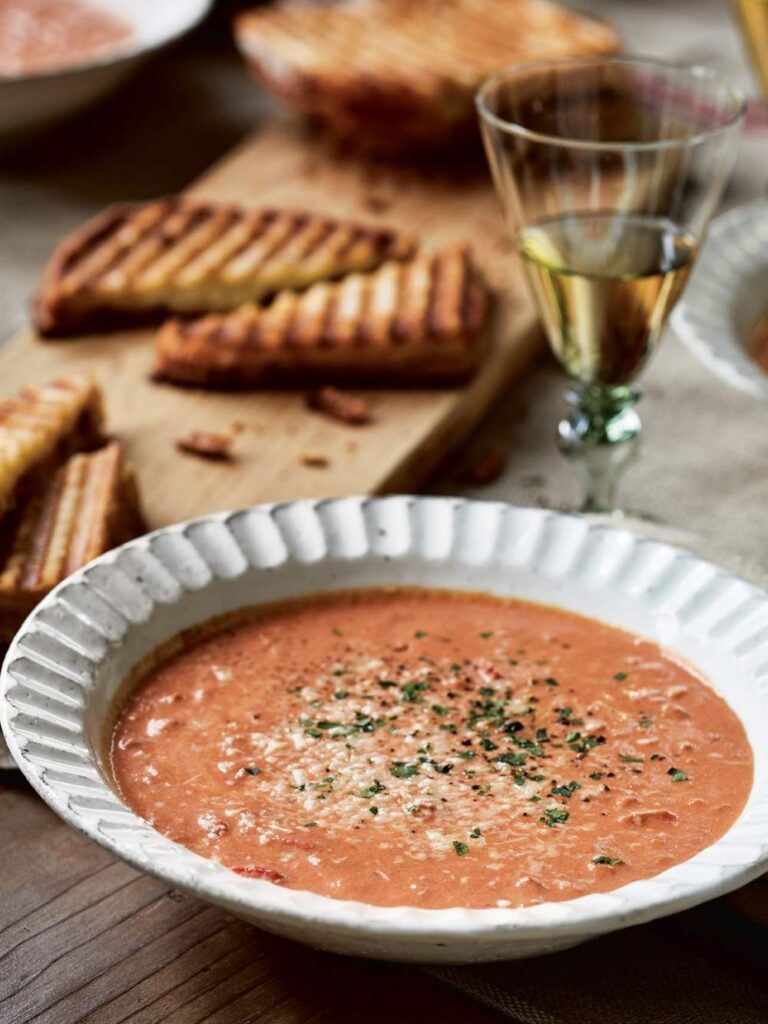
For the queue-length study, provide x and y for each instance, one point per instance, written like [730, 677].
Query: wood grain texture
[411, 432]
[85, 939]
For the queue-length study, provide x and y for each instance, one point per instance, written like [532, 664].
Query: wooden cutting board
[411, 432]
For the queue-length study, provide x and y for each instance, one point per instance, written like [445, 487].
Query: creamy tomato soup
[45, 35]
[431, 748]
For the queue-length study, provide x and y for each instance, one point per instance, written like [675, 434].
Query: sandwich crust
[414, 323]
[41, 425]
[134, 264]
[89, 505]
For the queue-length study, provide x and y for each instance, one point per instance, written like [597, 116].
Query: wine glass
[608, 171]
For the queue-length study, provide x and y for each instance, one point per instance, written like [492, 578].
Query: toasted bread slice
[40, 426]
[88, 506]
[418, 322]
[400, 72]
[137, 263]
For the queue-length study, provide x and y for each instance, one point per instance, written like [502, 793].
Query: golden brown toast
[41, 426]
[88, 506]
[418, 322]
[399, 71]
[136, 263]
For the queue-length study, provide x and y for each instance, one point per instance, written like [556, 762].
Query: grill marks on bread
[394, 71]
[61, 502]
[41, 424]
[135, 263]
[412, 322]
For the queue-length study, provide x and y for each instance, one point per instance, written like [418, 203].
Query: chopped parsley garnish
[403, 770]
[530, 746]
[420, 634]
[620, 676]
[629, 759]
[554, 816]
[564, 717]
[582, 744]
[487, 709]
[467, 754]
[341, 695]
[486, 634]
[311, 824]
[657, 757]
[567, 789]
[411, 692]
[441, 710]
[513, 759]
[373, 810]
[596, 776]
[645, 723]
[551, 681]
[610, 861]
[489, 744]
[385, 683]
[374, 788]
[486, 691]
[253, 770]
[326, 784]
[341, 671]
[475, 834]
[460, 848]
[677, 775]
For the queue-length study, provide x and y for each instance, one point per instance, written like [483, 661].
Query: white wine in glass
[605, 285]
[608, 171]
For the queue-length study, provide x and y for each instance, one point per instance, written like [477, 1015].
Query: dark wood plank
[85, 939]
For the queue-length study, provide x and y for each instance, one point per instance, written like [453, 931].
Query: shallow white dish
[76, 647]
[34, 101]
[726, 294]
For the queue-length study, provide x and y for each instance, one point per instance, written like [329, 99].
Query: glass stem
[601, 437]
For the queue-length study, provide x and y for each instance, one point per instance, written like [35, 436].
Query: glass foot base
[601, 437]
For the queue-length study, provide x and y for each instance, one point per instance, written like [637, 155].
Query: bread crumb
[339, 405]
[485, 468]
[316, 460]
[206, 445]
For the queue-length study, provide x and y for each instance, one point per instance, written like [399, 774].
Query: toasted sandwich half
[400, 72]
[42, 425]
[137, 263]
[413, 323]
[89, 505]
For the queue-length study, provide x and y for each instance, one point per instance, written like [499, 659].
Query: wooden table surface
[85, 939]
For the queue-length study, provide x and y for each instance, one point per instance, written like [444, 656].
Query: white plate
[33, 101]
[80, 642]
[727, 293]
